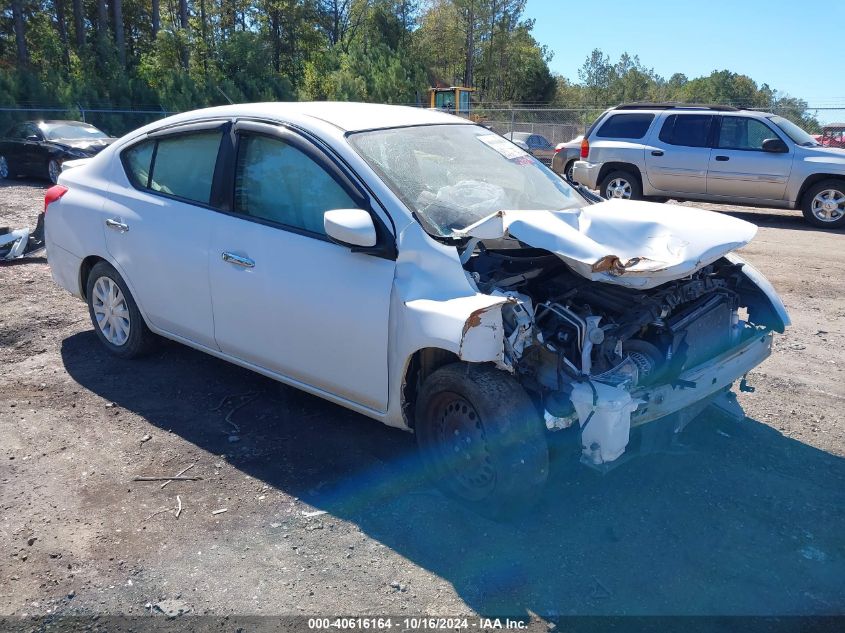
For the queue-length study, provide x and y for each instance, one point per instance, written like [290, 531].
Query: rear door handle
[657, 152]
[237, 260]
[722, 159]
[117, 225]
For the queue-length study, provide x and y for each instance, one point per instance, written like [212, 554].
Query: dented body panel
[634, 244]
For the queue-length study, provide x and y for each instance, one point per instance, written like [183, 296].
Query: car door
[740, 168]
[541, 148]
[286, 298]
[158, 224]
[35, 151]
[677, 159]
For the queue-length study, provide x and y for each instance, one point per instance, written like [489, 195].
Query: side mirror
[775, 145]
[32, 137]
[350, 227]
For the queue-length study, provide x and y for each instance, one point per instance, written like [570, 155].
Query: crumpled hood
[623, 242]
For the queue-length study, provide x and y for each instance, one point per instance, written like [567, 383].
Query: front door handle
[722, 159]
[237, 260]
[657, 152]
[117, 225]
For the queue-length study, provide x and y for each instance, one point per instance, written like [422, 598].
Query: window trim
[182, 130]
[717, 131]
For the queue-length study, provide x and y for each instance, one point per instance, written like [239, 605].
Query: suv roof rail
[675, 106]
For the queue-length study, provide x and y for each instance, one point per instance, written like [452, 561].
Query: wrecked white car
[417, 269]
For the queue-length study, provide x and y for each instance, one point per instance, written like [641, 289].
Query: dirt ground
[743, 518]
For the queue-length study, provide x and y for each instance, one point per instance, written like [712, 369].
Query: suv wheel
[5, 172]
[481, 438]
[824, 204]
[116, 318]
[621, 184]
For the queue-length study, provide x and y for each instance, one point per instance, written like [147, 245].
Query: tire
[823, 204]
[123, 331]
[482, 439]
[5, 168]
[568, 171]
[53, 170]
[621, 184]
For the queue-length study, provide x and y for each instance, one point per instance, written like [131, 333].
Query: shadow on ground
[745, 521]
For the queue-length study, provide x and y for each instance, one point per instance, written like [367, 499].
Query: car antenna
[220, 90]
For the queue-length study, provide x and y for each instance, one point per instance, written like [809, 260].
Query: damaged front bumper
[701, 382]
[607, 416]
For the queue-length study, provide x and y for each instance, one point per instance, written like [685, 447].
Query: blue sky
[796, 47]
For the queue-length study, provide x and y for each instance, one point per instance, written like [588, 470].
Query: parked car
[420, 270]
[713, 153]
[538, 145]
[565, 156]
[38, 148]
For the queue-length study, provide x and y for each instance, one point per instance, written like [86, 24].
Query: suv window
[633, 125]
[277, 182]
[743, 133]
[689, 130]
[181, 165]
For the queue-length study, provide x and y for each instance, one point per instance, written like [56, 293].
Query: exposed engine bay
[590, 350]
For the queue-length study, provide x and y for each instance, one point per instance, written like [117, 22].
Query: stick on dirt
[179, 508]
[179, 474]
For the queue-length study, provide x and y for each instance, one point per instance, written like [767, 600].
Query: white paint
[653, 243]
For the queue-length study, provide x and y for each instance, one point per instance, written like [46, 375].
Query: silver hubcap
[53, 170]
[829, 205]
[4, 167]
[111, 311]
[618, 188]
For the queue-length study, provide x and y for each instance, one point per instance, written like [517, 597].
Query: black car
[38, 148]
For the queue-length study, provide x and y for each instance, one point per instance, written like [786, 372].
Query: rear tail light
[557, 150]
[585, 148]
[53, 193]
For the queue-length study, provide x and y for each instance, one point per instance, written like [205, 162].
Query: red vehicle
[833, 135]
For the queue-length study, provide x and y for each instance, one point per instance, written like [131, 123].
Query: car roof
[347, 116]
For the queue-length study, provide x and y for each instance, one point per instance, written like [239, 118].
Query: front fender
[765, 306]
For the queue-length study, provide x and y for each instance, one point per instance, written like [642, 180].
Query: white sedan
[418, 269]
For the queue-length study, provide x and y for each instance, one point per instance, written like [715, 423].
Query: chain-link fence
[114, 121]
[557, 125]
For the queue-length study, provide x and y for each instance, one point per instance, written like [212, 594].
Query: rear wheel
[824, 204]
[4, 168]
[115, 315]
[482, 439]
[569, 171]
[621, 185]
[53, 170]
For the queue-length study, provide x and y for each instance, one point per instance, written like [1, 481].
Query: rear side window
[277, 182]
[689, 130]
[180, 166]
[633, 125]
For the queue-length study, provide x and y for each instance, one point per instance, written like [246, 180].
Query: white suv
[713, 153]
[418, 269]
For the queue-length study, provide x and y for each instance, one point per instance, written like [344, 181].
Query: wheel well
[421, 365]
[84, 270]
[610, 167]
[812, 180]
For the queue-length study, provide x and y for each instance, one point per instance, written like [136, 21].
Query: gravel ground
[325, 512]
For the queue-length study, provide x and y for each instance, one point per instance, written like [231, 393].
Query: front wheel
[482, 439]
[824, 204]
[621, 185]
[115, 315]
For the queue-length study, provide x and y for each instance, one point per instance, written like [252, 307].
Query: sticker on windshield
[502, 145]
